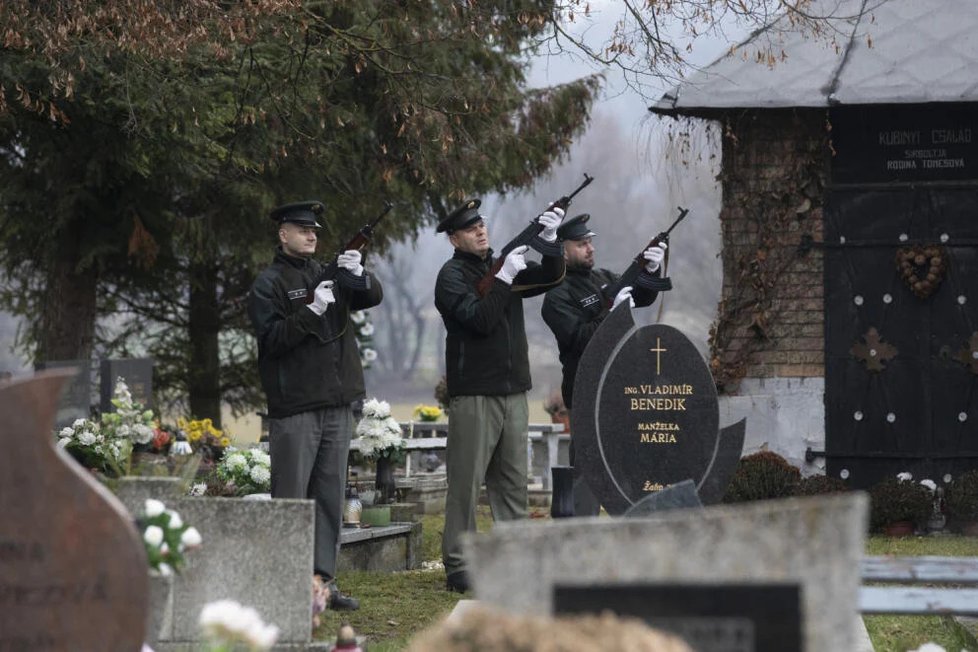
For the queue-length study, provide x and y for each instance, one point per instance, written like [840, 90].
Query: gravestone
[646, 415]
[73, 569]
[752, 577]
[138, 374]
[76, 398]
[681, 495]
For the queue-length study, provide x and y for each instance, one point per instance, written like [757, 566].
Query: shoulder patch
[301, 293]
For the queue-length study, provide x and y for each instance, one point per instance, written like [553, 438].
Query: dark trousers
[309, 460]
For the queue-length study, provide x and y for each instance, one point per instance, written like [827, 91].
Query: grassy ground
[901, 633]
[395, 606]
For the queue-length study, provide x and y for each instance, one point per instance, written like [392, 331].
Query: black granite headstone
[76, 395]
[710, 618]
[138, 374]
[646, 414]
[680, 495]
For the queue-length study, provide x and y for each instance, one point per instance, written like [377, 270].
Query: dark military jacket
[485, 344]
[574, 310]
[306, 361]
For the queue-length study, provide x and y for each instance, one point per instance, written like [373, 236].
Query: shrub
[818, 485]
[961, 497]
[762, 476]
[898, 499]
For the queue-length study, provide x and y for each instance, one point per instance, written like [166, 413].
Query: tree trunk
[66, 324]
[204, 383]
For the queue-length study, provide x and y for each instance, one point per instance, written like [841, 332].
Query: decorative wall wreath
[922, 268]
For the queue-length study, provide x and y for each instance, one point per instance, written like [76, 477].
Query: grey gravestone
[646, 415]
[681, 495]
[794, 560]
[73, 571]
[76, 398]
[138, 374]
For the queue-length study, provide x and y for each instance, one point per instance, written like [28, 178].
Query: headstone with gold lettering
[646, 415]
[73, 570]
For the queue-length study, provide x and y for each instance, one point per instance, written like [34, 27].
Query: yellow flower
[193, 435]
[428, 412]
[225, 442]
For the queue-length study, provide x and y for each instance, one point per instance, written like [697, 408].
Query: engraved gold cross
[658, 350]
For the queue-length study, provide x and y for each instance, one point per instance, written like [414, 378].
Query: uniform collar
[470, 257]
[293, 261]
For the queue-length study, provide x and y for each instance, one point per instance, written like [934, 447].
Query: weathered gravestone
[769, 576]
[76, 397]
[138, 374]
[646, 415]
[73, 570]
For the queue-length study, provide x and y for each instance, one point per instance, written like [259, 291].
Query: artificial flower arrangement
[379, 433]
[229, 625]
[247, 471]
[428, 412]
[204, 438]
[166, 537]
[364, 331]
[106, 444]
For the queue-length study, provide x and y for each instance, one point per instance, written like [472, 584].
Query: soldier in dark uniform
[574, 309]
[311, 374]
[488, 372]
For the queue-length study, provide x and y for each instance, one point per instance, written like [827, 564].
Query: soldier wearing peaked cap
[488, 372]
[574, 310]
[310, 371]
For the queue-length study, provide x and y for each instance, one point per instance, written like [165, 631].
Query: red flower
[161, 439]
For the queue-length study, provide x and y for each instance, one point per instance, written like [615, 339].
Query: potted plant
[961, 503]
[899, 505]
[762, 476]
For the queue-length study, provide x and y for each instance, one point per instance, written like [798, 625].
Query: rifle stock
[630, 275]
[525, 237]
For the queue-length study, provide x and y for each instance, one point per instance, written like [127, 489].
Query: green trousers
[487, 437]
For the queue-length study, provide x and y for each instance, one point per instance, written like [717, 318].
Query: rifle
[630, 277]
[525, 237]
[358, 242]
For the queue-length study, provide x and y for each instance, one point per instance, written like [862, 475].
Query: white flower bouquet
[247, 471]
[379, 433]
[364, 330]
[107, 444]
[166, 537]
[229, 625]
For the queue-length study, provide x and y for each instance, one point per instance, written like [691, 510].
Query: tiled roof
[883, 52]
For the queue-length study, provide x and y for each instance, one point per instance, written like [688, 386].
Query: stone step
[394, 547]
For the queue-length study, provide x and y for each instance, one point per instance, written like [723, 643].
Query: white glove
[512, 265]
[654, 256]
[550, 221]
[350, 260]
[322, 297]
[624, 294]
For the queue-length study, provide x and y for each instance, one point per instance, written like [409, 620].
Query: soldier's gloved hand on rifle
[624, 294]
[512, 265]
[654, 256]
[550, 220]
[350, 260]
[322, 297]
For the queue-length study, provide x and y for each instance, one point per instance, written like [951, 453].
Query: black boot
[339, 601]
[458, 582]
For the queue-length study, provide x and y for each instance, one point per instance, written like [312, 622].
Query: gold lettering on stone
[652, 486]
[657, 438]
[657, 404]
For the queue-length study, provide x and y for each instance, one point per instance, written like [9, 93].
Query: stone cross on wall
[73, 570]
